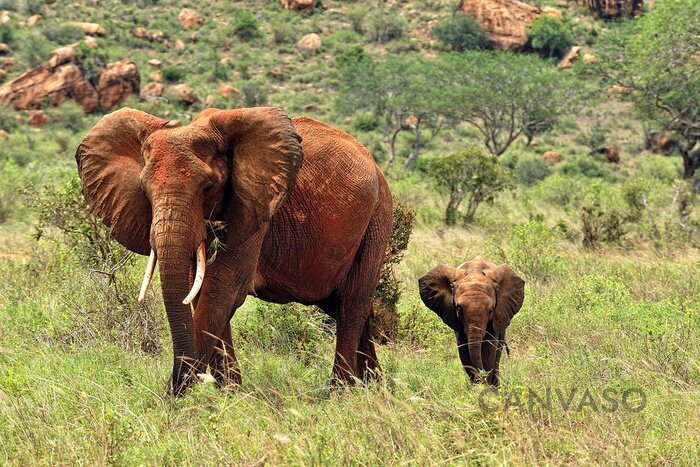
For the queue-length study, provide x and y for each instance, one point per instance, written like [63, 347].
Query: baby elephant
[477, 300]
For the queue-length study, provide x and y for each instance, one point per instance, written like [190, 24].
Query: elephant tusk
[148, 275]
[199, 275]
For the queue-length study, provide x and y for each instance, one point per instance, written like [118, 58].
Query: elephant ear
[437, 292]
[510, 293]
[110, 163]
[266, 156]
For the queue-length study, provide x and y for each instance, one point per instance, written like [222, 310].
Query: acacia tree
[505, 96]
[472, 174]
[657, 60]
[399, 90]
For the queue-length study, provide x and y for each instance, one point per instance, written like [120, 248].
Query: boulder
[589, 58]
[91, 42]
[37, 119]
[185, 94]
[570, 56]
[143, 33]
[6, 63]
[304, 6]
[551, 156]
[91, 29]
[505, 21]
[189, 18]
[4, 48]
[179, 45]
[33, 20]
[608, 9]
[226, 90]
[154, 62]
[5, 17]
[60, 56]
[59, 79]
[117, 81]
[309, 42]
[152, 90]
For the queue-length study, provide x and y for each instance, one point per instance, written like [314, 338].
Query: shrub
[36, 49]
[531, 248]
[462, 33]
[584, 166]
[244, 24]
[550, 35]
[384, 26]
[473, 174]
[531, 170]
[388, 290]
[6, 34]
[62, 207]
[366, 122]
[172, 74]
[253, 94]
[63, 34]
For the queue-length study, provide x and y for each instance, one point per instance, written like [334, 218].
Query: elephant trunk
[175, 238]
[475, 337]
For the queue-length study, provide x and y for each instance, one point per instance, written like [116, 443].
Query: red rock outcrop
[117, 81]
[189, 18]
[305, 6]
[505, 21]
[60, 79]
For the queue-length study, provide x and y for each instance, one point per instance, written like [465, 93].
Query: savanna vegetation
[487, 153]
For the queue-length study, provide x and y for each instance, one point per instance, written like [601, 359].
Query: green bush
[531, 170]
[63, 33]
[366, 121]
[585, 166]
[253, 94]
[462, 33]
[172, 74]
[6, 34]
[388, 290]
[531, 248]
[244, 25]
[550, 35]
[384, 26]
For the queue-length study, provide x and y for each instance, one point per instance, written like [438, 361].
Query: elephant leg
[223, 363]
[355, 355]
[227, 284]
[367, 362]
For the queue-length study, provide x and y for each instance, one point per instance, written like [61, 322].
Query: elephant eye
[207, 187]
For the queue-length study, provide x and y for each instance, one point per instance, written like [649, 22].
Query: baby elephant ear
[436, 291]
[110, 163]
[510, 293]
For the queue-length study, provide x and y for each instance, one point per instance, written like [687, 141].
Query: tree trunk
[691, 158]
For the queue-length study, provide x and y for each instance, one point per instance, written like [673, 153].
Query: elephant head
[156, 187]
[477, 300]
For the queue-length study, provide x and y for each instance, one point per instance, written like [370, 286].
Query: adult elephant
[303, 212]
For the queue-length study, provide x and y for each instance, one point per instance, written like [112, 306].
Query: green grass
[76, 390]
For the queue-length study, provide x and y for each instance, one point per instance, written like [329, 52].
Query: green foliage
[63, 33]
[366, 122]
[530, 248]
[383, 25]
[172, 74]
[585, 166]
[550, 35]
[655, 59]
[505, 96]
[36, 49]
[473, 174]
[62, 207]
[6, 34]
[254, 94]
[244, 25]
[461, 33]
[388, 293]
[530, 170]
